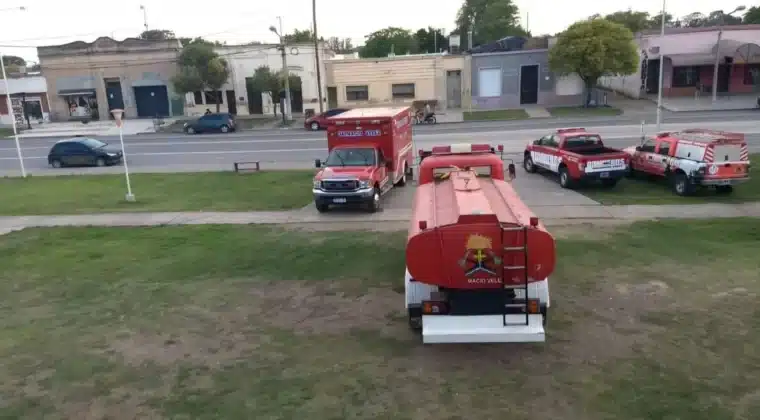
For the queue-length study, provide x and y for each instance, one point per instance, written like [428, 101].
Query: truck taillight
[431, 307]
[534, 306]
[582, 165]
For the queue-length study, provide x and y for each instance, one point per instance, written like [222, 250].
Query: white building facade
[243, 61]
[32, 90]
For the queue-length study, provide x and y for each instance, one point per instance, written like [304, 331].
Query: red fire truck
[370, 152]
[477, 259]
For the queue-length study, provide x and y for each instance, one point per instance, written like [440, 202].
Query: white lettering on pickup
[546, 161]
[487, 280]
[606, 165]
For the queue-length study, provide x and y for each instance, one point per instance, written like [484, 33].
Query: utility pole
[316, 53]
[10, 103]
[662, 66]
[145, 16]
[717, 51]
[285, 72]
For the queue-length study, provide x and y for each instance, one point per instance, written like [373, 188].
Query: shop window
[685, 76]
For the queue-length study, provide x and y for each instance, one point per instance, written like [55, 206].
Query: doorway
[231, 102]
[529, 85]
[724, 75]
[454, 88]
[332, 97]
[114, 95]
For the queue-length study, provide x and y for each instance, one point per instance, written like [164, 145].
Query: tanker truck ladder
[519, 264]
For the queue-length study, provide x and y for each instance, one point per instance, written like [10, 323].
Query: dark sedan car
[83, 151]
[222, 122]
[319, 122]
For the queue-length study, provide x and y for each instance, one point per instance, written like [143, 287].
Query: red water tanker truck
[477, 259]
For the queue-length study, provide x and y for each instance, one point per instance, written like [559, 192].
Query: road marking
[209, 152]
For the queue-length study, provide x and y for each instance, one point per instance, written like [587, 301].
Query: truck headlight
[317, 185]
[364, 184]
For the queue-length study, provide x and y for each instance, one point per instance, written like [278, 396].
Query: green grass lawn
[645, 190]
[496, 115]
[210, 191]
[576, 111]
[241, 322]
[6, 131]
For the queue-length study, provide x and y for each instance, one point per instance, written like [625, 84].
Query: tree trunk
[589, 85]
[218, 101]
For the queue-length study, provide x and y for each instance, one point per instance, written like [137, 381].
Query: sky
[53, 22]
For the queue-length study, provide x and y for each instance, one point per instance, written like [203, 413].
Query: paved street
[296, 148]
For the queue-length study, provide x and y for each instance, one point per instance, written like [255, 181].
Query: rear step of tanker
[521, 320]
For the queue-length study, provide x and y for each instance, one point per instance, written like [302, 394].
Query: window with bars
[357, 93]
[402, 91]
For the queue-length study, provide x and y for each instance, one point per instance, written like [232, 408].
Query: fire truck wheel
[681, 184]
[374, 204]
[528, 164]
[564, 178]
[415, 319]
[724, 189]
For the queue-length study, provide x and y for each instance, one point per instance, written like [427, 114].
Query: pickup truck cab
[693, 158]
[370, 152]
[577, 156]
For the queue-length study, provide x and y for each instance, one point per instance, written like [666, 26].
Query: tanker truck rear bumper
[482, 329]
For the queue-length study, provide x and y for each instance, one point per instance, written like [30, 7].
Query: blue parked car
[221, 122]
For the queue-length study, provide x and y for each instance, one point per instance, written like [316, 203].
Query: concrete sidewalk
[551, 215]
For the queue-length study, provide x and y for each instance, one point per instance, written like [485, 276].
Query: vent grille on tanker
[340, 185]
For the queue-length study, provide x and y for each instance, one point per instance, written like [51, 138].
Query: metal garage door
[152, 101]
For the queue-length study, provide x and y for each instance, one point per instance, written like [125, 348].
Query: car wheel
[681, 184]
[315, 126]
[374, 205]
[56, 163]
[224, 128]
[190, 130]
[322, 208]
[564, 178]
[100, 162]
[528, 165]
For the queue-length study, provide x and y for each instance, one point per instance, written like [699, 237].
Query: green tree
[389, 40]
[431, 40]
[198, 40]
[752, 15]
[489, 20]
[13, 60]
[157, 35]
[655, 22]
[633, 20]
[201, 69]
[299, 37]
[340, 45]
[592, 49]
[272, 83]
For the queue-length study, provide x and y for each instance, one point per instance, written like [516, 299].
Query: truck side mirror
[317, 163]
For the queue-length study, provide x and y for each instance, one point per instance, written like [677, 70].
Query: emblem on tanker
[479, 257]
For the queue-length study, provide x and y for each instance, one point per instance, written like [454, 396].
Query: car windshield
[351, 157]
[92, 143]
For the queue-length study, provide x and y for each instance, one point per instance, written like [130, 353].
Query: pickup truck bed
[594, 151]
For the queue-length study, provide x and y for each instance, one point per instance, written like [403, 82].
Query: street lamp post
[286, 74]
[717, 51]
[117, 116]
[145, 16]
[662, 66]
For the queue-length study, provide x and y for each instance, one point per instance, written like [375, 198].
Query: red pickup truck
[577, 156]
[370, 152]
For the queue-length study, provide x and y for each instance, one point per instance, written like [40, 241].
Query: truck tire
[724, 189]
[564, 178]
[681, 184]
[609, 183]
[322, 208]
[528, 164]
[402, 182]
[374, 205]
[415, 320]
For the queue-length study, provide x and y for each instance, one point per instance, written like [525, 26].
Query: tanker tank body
[477, 259]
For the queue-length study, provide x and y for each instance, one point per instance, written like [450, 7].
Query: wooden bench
[246, 166]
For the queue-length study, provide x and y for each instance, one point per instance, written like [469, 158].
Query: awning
[76, 92]
[691, 59]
